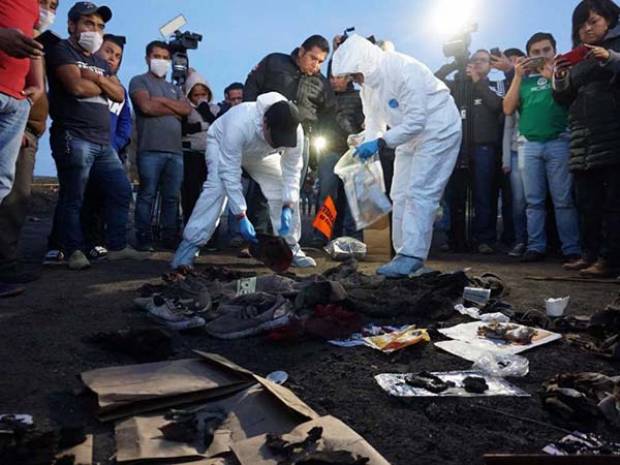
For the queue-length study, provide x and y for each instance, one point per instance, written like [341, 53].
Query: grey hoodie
[197, 140]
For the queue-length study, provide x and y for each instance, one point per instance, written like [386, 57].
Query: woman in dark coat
[592, 89]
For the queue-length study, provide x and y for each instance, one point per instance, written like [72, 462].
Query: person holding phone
[543, 149]
[590, 86]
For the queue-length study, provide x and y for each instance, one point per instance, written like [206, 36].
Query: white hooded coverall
[236, 141]
[425, 129]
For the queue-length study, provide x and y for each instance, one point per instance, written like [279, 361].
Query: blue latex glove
[367, 149]
[246, 229]
[286, 218]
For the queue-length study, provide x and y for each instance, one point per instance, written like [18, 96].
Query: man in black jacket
[481, 153]
[298, 77]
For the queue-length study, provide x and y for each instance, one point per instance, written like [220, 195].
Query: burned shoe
[174, 315]
[250, 314]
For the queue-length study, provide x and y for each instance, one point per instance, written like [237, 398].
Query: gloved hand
[246, 229]
[286, 218]
[367, 149]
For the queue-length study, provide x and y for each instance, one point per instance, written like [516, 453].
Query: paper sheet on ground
[385, 338]
[395, 385]
[468, 344]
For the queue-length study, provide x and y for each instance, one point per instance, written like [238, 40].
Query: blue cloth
[120, 124]
[286, 218]
[367, 149]
[485, 193]
[13, 118]
[77, 162]
[518, 201]
[546, 164]
[246, 229]
[158, 169]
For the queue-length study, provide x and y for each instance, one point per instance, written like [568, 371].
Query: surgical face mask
[46, 19]
[90, 41]
[159, 67]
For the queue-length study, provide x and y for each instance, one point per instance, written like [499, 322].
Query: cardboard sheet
[336, 436]
[250, 413]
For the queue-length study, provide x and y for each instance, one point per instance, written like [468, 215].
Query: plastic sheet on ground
[344, 248]
[467, 343]
[502, 365]
[385, 338]
[474, 313]
[395, 385]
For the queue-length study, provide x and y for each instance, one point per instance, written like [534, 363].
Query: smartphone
[48, 39]
[536, 63]
[576, 55]
[496, 52]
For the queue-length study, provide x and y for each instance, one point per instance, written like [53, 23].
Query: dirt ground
[41, 354]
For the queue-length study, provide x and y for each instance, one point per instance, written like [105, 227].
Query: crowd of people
[542, 144]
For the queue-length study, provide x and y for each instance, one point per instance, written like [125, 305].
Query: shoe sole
[193, 323]
[254, 330]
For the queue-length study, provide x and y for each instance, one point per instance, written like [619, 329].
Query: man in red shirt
[21, 80]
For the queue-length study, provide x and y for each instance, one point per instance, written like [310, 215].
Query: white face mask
[159, 67]
[90, 41]
[46, 19]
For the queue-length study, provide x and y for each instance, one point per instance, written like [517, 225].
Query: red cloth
[22, 15]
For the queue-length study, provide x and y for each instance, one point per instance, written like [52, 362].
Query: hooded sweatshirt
[399, 92]
[238, 135]
[197, 123]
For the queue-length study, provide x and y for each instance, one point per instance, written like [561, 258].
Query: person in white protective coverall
[266, 139]
[425, 129]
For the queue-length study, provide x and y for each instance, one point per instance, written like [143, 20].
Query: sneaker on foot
[128, 253]
[578, 265]
[54, 257]
[531, 256]
[517, 251]
[10, 290]
[246, 318]
[78, 261]
[600, 269]
[96, 253]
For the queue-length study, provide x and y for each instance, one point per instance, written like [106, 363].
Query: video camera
[458, 46]
[180, 43]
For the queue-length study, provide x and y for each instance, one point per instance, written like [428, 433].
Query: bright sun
[449, 17]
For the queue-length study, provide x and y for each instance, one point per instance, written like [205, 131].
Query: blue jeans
[77, 162]
[519, 204]
[13, 118]
[163, 171]
[485, 193]
[546, 164]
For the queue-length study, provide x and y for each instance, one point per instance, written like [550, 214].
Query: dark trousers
[456, 197]
[598, 204]
[14, 207]
[194, 176]
[485, 192]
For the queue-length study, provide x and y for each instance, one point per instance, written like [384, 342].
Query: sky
[237, 34]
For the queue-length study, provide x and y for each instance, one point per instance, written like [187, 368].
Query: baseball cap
[89, 8]
[283, 118]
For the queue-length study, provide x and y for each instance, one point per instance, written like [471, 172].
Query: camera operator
[543, 149]
[590, 87]
[159, 107]
[298, 77]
